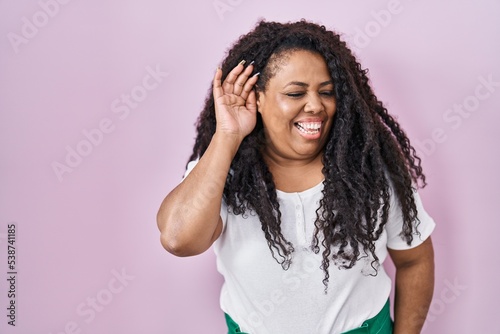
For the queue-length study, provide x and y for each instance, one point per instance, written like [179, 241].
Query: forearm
[414, 289]
[189, 216]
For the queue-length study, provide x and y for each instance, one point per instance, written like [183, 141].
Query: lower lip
[309, 136]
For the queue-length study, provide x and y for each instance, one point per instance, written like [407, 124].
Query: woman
[304, 183]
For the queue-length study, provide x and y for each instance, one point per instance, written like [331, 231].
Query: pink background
[64, 74]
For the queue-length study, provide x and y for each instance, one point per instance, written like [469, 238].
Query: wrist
[230, 142]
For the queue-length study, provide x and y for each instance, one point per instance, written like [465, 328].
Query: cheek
[286, 109]
[279, 113]
[331, 107]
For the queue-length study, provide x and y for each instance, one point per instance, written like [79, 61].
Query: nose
[313, 104]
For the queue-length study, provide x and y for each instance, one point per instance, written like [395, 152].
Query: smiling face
[297, 107]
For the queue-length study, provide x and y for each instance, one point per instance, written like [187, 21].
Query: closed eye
[295, 94]
[327, 93]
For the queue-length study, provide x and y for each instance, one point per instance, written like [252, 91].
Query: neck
[295, 175]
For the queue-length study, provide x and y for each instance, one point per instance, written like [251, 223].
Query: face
[297, 107]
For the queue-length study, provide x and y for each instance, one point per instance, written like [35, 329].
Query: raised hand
[235, 101]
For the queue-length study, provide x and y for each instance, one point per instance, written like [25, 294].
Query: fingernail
[256, 74]
[242, 62]
[251, 63]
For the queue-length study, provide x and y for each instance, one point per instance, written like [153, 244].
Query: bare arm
[189, 216]
[414, 287]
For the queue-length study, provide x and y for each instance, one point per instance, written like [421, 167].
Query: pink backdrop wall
[98, 101]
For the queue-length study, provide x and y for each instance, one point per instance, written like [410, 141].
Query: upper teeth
[310, 126]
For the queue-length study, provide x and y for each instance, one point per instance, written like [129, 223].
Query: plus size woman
[304, 184]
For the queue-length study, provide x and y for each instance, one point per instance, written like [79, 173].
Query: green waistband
[231, 325]
[379, 324]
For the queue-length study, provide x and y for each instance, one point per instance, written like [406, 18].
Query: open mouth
[309, 128]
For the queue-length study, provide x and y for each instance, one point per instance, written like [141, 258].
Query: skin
[189, 217]
[301, 91]
[414, 286]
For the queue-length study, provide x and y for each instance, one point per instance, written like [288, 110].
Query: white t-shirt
[263, 298]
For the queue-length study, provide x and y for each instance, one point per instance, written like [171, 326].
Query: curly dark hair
[366, 153]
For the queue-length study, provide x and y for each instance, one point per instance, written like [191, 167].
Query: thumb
[217, 84]
[251, 102]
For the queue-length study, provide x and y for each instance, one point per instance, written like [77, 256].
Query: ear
[260, 100]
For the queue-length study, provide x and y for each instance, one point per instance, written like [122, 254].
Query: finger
[217, 85]
[242, 79]
[228, 84]
[249, 85]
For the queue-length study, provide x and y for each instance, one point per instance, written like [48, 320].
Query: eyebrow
[303, 84]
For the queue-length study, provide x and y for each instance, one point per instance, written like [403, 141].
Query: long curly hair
[366, 153]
